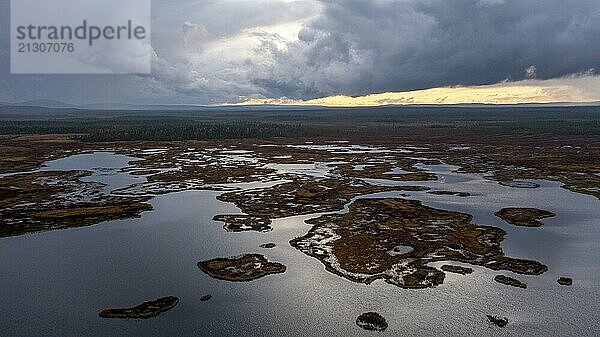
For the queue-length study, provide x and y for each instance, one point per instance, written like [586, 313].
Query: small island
[565, 281]
[458, 194]
[497, 321]
[457, 269]
[241, 268]
[527, 217]
[510, 281]
[143, 310]
[244, 223]
[372, 321]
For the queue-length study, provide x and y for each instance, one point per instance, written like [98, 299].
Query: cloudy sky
[321, 52]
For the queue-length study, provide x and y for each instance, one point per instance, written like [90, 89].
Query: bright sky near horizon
[566, 90]
[346, 53]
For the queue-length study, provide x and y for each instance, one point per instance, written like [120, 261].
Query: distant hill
[41, 103]
[188, 107]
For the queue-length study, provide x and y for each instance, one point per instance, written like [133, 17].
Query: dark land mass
[466, 119]
[241, 268]
[358, 245]
[497, 321]
[457, 269]
[528, 217]
[384, 171]
[510, 281]
[243, 223]
[48, 200]
[372, 321]
[303, 196]
[458, 194]
[144, 310]
[565, 281]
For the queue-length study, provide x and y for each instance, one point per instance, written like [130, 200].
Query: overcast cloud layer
[222, 51]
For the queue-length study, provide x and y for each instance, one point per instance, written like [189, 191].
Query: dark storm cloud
[358, 47]
[222, 51]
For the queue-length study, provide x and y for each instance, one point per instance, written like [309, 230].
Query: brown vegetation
[49, 200]
[358, 245]
[528, 217]
[241, 268]
[510, 281]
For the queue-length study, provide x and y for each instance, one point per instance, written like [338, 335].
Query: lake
[55, 283]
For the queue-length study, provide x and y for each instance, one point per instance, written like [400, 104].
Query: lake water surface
[55, 283]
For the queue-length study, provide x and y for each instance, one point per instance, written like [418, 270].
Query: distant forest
[155, 129]
[129, 125]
